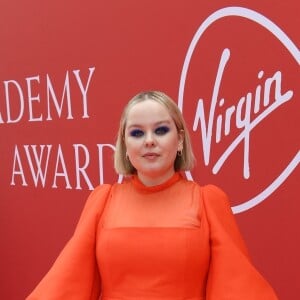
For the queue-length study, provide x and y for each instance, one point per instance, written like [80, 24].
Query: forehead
[148, 111]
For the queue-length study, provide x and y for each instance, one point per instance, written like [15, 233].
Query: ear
[180, 140]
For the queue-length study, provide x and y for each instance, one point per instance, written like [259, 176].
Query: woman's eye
[162, 130]
[136, 133]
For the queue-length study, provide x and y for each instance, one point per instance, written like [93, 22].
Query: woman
[156, 235]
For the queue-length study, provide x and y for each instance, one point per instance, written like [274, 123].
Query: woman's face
[152, 141]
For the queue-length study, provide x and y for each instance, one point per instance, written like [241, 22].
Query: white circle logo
[206, 120]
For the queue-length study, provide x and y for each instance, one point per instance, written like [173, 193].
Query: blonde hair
[184, 161]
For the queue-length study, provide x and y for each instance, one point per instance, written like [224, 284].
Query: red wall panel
[68, 68]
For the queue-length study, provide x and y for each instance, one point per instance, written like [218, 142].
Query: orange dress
[174, 241]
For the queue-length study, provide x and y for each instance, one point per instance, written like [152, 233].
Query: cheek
[131, 145]
[172, 144]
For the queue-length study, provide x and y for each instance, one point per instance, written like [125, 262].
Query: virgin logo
[248, 112]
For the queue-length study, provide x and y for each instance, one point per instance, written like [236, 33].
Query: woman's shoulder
[206, 189]
[98, 196]
[210, 194]
[213, 190]
[102, 188]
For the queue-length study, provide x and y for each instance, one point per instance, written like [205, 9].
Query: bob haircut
[184, 160]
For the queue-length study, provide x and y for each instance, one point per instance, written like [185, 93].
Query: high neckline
[155, 188]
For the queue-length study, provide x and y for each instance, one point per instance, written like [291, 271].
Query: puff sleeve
[74, 275]
[231, 275]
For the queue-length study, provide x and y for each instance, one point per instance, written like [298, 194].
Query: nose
[149, 139]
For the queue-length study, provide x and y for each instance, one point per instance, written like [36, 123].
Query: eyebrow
[168, 122]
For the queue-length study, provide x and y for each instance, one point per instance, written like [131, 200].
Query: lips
[150, 155]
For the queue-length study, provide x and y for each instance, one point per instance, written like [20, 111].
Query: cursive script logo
[213, 124]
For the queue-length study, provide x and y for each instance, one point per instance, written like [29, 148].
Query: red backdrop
[68, 68]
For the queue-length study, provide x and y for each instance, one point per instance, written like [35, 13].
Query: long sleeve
[231, 276]
[74, 275]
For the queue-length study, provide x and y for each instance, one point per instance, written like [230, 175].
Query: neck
[152, 179]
